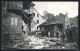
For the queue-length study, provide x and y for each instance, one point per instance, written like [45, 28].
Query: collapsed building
[15, 14]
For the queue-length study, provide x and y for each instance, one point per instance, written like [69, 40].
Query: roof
[55, 20]
[50, 23]
[38, 12]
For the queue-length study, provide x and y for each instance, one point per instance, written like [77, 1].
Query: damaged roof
[56, 20]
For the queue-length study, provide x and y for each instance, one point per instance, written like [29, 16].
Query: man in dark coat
[68, 33]
[74, 33]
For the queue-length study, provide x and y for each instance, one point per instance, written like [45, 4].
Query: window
[37, 21]
[37, 27]
[37, 15]
[13, 21]
[34, 14]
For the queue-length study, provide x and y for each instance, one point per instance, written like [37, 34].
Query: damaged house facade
[56, 23]
[15, 14]
[37, 20]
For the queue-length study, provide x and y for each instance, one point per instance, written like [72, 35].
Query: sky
[57, 7]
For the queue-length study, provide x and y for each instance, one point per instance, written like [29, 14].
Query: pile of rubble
[43, 43]
[35, 42]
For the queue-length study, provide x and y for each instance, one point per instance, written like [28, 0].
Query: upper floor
[38, 19]
[19, 7]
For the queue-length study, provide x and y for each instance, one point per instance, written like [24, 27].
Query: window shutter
[12, 21]
[15, 21]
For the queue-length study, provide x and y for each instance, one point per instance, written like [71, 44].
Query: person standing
[74, 33]
[68, 33]
[48, 34]
[55, 31]
[63, 36]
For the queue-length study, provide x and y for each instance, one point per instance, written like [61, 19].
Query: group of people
[72, 33]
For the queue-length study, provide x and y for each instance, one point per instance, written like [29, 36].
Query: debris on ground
[34, 42]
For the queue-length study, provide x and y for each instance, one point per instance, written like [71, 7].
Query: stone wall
[11, 32]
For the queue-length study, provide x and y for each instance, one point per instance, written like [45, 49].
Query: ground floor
[52, 29]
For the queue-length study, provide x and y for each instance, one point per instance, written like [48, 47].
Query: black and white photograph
[39, 25]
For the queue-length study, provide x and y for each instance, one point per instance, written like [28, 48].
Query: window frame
[14, 21]
[33, 14]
